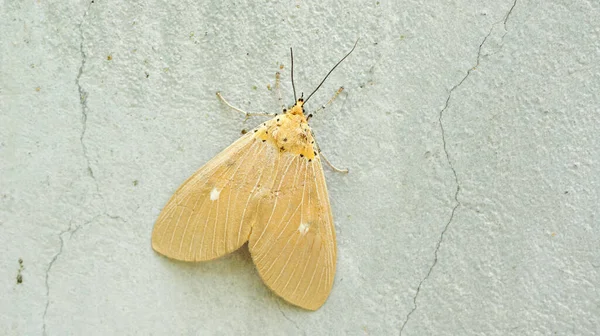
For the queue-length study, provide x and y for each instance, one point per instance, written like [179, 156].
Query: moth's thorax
[289, 132]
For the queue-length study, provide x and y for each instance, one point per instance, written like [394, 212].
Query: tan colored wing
[293, 240]
[211, 214]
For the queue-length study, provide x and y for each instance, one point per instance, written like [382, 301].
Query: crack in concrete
[509, 13]
[54, 258]
[71, 231]
[504, 21]
[447, 153]
[83, 97]
[287, 318]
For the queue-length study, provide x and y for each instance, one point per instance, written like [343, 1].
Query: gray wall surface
[470, 128]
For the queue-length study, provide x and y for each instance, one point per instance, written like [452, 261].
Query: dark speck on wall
[20, 271]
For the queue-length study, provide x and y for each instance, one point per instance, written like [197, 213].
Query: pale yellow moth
[267, 189]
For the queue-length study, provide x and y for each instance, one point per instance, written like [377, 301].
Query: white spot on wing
[214, 194]
[303, 228]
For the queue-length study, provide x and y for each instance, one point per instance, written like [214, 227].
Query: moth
[267, 189]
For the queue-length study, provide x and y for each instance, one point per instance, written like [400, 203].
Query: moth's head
[298, 108]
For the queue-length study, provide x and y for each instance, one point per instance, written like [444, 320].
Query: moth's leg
[278, 90]
[334, 168]
[247, 114]
[344, 171]
[320, 109]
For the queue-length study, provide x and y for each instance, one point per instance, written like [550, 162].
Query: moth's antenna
[330, 71]
[293, 86]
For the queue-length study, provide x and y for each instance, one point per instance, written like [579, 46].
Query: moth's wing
[211, 213]
[293, 240]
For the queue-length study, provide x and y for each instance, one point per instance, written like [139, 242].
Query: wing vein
[286, 210]
[292, 235]
[226, 230]
[326, 219]
[193, 239]
[275, 204]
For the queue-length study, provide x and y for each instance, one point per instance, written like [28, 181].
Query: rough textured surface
[470, 129]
